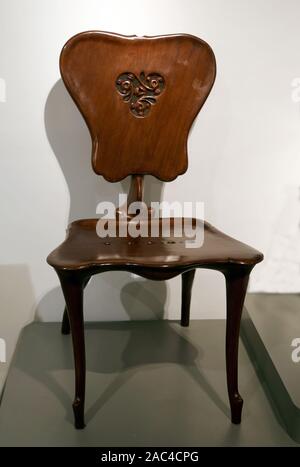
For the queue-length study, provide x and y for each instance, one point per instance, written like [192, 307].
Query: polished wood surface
[91, 64]
[83, 248]
[236, 287]
[72, 287]
[139, 97]
[187, 279]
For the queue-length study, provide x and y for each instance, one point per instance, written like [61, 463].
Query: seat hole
[171, 241]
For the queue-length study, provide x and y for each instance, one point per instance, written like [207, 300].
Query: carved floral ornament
[140, 92]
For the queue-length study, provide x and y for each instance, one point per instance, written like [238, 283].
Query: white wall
[244, 151]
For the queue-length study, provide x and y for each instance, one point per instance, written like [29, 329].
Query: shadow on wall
[69, 138]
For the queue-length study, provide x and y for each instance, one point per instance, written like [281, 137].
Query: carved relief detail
[140, 92]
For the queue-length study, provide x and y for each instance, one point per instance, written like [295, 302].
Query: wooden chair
[139, 97]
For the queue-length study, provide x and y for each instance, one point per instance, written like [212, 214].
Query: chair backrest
[139, 97]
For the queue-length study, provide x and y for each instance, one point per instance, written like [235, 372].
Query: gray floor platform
[148, 384]
[270, 323]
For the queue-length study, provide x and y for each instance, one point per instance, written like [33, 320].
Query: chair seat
[83, 248]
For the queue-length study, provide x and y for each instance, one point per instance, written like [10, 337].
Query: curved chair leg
[187, 279]
[73, 285]
[237, 278]
[65, 325]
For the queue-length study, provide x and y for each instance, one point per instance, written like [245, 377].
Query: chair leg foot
[78, 409]
[72, 285]
[187, 279]
[237, 278]
[65, 325]
[236, 406]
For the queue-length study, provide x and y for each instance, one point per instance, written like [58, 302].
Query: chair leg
[187, 279]
[65, 325]
[73, 285]
[237, 278]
